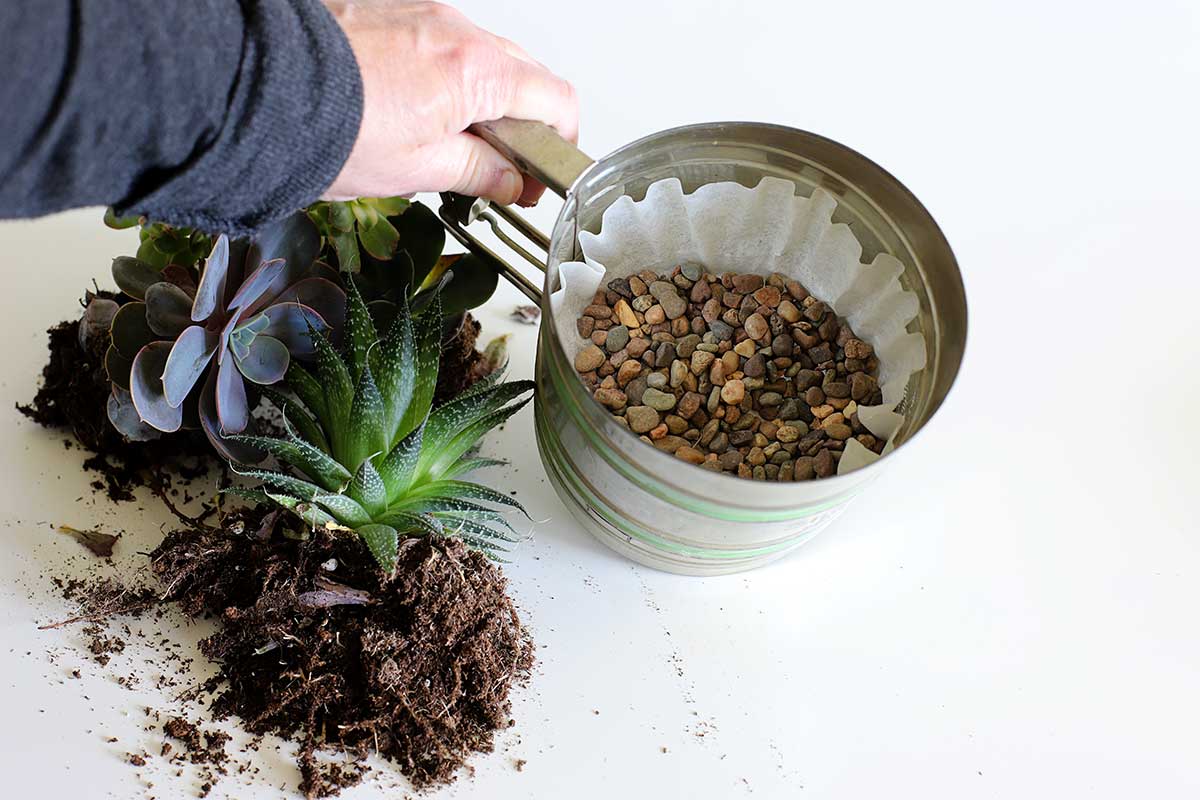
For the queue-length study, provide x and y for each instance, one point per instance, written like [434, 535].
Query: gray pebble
[642, 302]
[641, 418]
[656, 380]
[668, 297]
[658, 400]
[618, 337]
[633, 391]
[686, 344]
[691, 270]
[770, 399]
[722, 331]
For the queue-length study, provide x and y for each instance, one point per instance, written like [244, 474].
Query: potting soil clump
[736, 373]
[315, 644]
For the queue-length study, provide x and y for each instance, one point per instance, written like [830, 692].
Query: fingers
[525, 90]
[466, 164]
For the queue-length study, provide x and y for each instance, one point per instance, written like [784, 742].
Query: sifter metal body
[645, 503]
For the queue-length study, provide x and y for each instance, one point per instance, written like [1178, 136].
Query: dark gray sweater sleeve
[215, 114]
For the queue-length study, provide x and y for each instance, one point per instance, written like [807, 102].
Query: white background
[1008, 612]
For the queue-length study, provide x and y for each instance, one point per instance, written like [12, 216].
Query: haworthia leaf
[419, 523]
[365, 434]
[383, 541]
[367, 489]
[398, 469]
[308, 389]
[446, 421]
[294, 413]
[428, 335]
[347, 510]
[302, 489]
[310, 513]
[465, 440]
[338, 389]
[359, 333]
[457, 526]
[465, 465]
[465, 490]
[249, 495]
[396, 370]
[318, 466]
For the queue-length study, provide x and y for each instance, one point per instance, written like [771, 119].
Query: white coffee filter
[728, 227]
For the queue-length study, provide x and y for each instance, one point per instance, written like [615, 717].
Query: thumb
[466, 164]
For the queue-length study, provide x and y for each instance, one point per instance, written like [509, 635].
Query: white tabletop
[1008, 612]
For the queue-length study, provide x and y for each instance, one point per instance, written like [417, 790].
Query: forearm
[217, 114]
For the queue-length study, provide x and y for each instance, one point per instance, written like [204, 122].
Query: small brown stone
[732, 392]
[798, 292]
[755, 366]
[689, 404]
[839, 431]
[690, 455]
[857, 348]
[637, 286]
[659, 431]
[746, 283]
[837, 389]
[788, 312]
[628, 371]
[655, 315]
[611, 398]
[702, 359]
[803, 469]
[585, 325]
[824, 464]
[745, 348]
[641, 418]
[814, 396]
[637, 346]
[625, 314]
[589, 358]
[599, 337]
[756, 326]
[787, 433]
[821, 412]
[768, 296]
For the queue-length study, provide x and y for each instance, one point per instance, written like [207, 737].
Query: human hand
[428, 73]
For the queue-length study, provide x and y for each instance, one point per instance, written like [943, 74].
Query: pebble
[589, 358]
[625, 314]
[754, 378]
[756, 327]
[733, 391]
[617, 338]
[641, 418]
[658, 399]
[628, 371]
[668, 298]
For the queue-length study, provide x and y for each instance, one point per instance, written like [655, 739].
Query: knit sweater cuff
[293, 115]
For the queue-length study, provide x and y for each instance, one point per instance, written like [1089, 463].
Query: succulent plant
[401, 255]
[248, 315]
[163, 244]
[368, 452]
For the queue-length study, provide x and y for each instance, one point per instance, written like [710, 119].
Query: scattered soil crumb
[519, 764]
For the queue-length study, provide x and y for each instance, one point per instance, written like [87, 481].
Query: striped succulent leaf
[365, 450]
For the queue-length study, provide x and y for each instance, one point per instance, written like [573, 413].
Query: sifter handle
[537, 150]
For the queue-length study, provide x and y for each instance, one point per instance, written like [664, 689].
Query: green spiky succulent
[368, 452]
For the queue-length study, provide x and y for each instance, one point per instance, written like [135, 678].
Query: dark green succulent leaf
[456, 525]
[380, 238]
[367, 489]
[395, 362]
[120, 223]
[152, 255]
[249, 495]
[345, 244]
[465, 465]
[387, 280]
[118, 367]
[472, 282]
[364, 435]
[448, 420]
[297, 487]
[296, 452]
[422, 237]
[308, 512]
[389, 206]
[464, 440]
[359, 333]
[454, 506]
[168, 309]
[414, 523]
[294, 413]
[341, 217]
[134, 276]
[428, 336]
[383, 541]
[466, 491]
[308, 390]
[338, 388]
[400, 466]
[383, 314]
[346, 510]
[130, 330]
